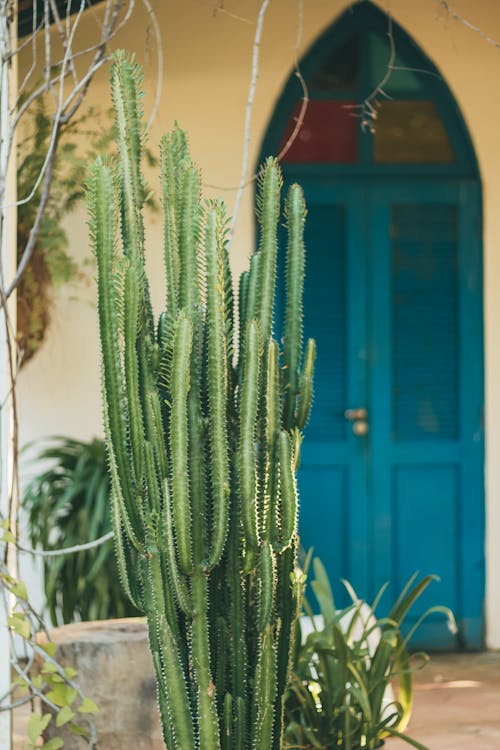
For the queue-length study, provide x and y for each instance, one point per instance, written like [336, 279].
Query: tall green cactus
[202, 449]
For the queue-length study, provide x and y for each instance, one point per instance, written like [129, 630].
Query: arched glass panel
[411, 121]
[410, 132]
[340, 70]
[328, 134]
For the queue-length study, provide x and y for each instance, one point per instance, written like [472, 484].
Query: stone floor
[457, 705]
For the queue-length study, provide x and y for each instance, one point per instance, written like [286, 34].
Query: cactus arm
[251, 306]
[289, 601]
[207, 702]
[169, 670]
[221, 651]
[227, 736]
[131, 329]
[101, 189]
[179, 441]
[188, 240]
[273, 400]
[267, 583]
[155, 431]
[170, 238]
[123, 556]
[217, 385]
[228, 287]
[295, 212]
[161, 693]
[268, 213]
[273, 421]
[306, 385]
[264, 693]
[243, 303]
[248, 305]
[197, 461]
[246, 451]
[174, 577]
[102, 221]
[237, 620]
[240, 720]
[288, 489]
[125, 80]
[197, 456]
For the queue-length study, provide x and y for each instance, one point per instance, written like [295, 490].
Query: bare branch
[300, 77]
[457, 17]
[303, 108]
[248, 113]
[159, 52]
[367, 110]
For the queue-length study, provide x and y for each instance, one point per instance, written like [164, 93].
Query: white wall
[207, 72]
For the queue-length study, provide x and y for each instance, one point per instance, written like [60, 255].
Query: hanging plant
[51, 264]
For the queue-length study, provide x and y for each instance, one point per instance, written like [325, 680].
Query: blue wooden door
[393, 296]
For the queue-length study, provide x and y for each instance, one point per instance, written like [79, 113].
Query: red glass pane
[328, 134]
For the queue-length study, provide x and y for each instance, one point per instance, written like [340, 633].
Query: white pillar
[8, 241]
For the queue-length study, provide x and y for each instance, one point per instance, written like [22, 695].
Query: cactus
[202, 449]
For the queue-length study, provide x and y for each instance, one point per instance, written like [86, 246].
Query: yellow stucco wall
[207, 72]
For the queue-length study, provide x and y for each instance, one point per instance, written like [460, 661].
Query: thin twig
[305, 93]
[248, 114]
[33, 235]
[368, 107]
[67, 550]
[304, 104]
[159, 52]
[457, 17]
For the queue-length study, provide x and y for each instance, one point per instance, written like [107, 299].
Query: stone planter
[115, 670]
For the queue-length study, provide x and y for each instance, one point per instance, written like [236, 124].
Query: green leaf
[64, 715]
[20, 625]
[58, 697]
[49, 668]
[19, 590]
[70, 672]
[53, 744]
[407, 739]
[55, 679]
[62, 695]
[87, 706]
[78, 730]
[37, 724]
[50, 648]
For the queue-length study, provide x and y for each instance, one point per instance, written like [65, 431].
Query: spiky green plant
[202, 451]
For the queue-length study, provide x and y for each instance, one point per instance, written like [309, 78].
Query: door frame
[371, 567]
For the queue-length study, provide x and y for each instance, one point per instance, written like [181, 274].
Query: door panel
[333, 462]
[424, 273]
[422, 440]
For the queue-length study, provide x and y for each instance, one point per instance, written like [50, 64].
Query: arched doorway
[391, 477]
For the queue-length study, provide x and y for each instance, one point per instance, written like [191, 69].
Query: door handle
[359, 419]
[354, 415]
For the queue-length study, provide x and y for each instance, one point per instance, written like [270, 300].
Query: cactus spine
[202, 449]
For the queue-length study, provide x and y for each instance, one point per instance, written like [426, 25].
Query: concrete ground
[457, 705]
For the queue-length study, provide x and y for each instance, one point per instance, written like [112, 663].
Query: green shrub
[68, 503]
[341, 694]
